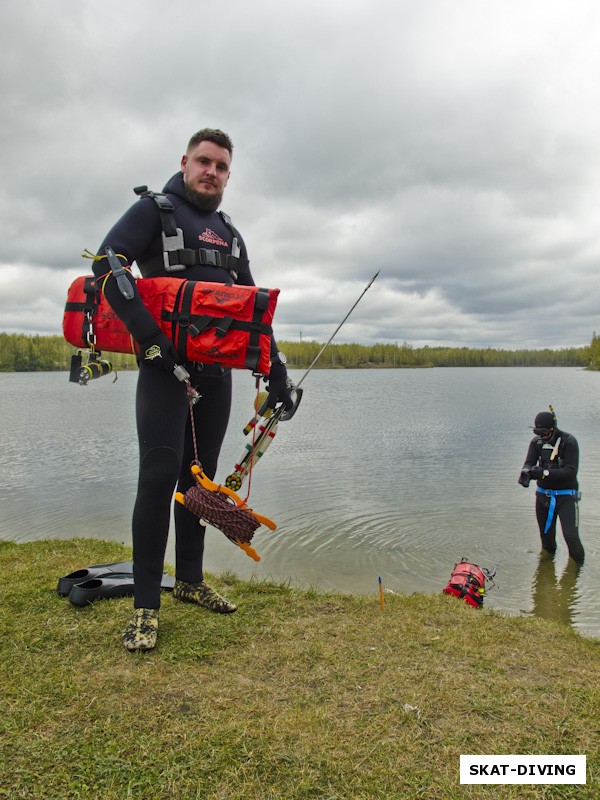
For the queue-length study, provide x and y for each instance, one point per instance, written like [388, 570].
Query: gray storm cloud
[452, 145]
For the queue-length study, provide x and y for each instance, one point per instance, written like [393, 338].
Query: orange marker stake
[381, 597]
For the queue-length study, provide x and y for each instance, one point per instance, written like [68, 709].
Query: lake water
[391, 473]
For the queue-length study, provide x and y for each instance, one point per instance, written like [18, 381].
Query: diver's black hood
[545, 419]
[176, 186]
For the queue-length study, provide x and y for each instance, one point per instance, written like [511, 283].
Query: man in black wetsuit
[553, 460]
[212, 250]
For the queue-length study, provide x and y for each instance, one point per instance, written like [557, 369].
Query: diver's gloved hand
[524, 478]
[277, 386]
[160, 351]
[536, 472]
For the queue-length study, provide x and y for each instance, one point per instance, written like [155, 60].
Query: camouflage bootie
[203, 595]
[142, 631]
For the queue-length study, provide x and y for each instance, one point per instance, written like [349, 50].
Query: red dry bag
[208, 322]
[467, 582]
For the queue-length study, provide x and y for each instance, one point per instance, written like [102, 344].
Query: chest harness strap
[553, 494]
[176, 256]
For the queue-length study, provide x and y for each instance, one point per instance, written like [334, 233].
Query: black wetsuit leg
[566, 510]
[166, 452]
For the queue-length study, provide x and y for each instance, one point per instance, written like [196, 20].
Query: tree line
[23, 353]
[300, 354]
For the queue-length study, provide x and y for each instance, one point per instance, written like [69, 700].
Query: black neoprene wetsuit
[162, 408]
[560, 456]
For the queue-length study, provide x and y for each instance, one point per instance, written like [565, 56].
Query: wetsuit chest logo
[212, 238]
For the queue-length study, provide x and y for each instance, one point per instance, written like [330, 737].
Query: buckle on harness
[171, 244]
[211, 258]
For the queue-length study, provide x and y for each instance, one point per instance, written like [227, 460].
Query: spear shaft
[328, 342]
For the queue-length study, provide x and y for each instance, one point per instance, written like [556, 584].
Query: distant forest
[21, 353]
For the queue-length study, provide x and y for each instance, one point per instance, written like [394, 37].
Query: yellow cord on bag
[105, 277]
[88, 254]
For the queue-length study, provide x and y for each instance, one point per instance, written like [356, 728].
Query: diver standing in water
[553, 461]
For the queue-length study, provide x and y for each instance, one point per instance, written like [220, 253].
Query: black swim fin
[66, 583]
[115, 585]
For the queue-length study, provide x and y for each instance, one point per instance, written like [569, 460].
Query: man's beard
[203, 202]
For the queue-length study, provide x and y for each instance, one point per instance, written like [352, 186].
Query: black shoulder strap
[227, 220]
[165, 209]
[242, 264]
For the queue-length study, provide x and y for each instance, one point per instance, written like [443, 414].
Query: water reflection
[555, 598]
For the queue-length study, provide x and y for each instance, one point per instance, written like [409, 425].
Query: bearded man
[178, 233]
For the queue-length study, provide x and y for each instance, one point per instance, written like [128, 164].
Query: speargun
[267, 430]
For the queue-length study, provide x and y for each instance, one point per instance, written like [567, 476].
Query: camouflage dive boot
[203, 595]
[142, 631]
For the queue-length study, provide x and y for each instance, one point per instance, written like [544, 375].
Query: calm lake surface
[391, 473]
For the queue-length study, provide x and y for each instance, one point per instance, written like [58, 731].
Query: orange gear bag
[212, 323]
[467, 582]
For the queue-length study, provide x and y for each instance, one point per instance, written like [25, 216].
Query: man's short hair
[211, 135]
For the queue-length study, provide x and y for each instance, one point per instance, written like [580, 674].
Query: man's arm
[531, 459]
[130, 239]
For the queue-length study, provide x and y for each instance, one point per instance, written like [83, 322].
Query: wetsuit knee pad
[159, 470]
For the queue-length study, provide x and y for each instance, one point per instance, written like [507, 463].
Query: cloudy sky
[452, 144]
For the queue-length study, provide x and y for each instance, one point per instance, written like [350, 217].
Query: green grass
[297, 695]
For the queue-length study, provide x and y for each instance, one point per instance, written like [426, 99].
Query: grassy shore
[298, 695]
